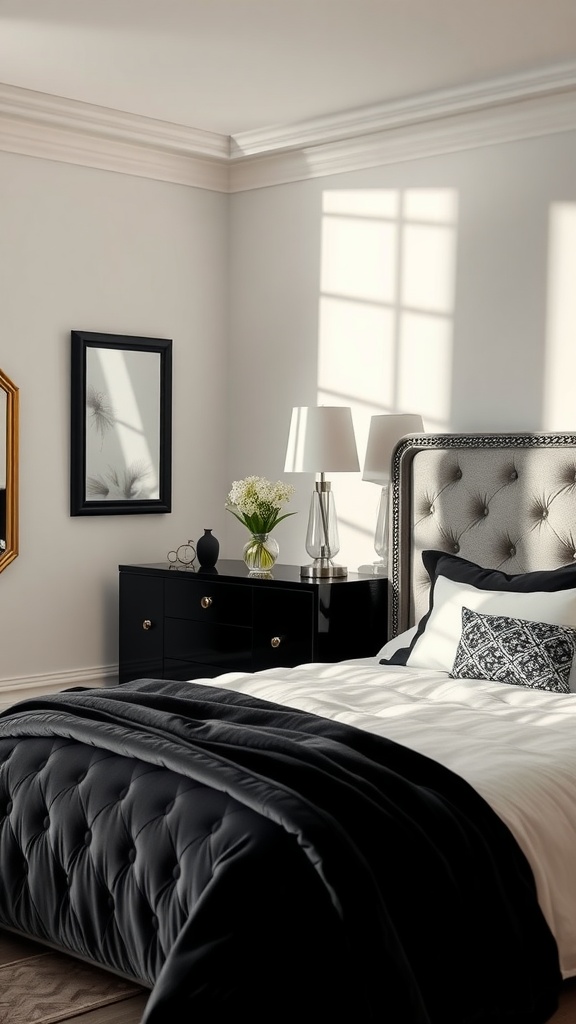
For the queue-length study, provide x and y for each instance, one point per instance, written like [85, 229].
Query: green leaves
[259, 523]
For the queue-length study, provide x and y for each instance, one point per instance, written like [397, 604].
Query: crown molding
[511, 122]
[74, 115]
[504, 110]
[401, 113]
[70, 131]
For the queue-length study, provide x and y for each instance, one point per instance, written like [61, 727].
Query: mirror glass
[8, 471]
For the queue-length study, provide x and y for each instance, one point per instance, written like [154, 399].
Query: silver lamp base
[323, 568]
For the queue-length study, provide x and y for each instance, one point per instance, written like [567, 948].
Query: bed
[385, 839]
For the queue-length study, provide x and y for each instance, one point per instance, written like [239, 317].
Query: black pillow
[460, 570]
[503, 649]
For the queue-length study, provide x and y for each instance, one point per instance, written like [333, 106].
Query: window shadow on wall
[387, 293]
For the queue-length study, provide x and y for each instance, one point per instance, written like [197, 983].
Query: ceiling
[232, 66]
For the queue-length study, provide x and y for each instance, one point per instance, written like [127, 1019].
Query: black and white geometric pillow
[508, 650]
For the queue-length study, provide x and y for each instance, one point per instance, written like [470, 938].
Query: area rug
[51, 987]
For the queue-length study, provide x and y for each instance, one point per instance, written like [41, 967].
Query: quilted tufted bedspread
[241, 856]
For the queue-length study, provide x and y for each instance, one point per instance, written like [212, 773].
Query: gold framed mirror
[9, 437]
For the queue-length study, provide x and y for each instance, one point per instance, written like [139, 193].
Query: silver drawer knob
[147, 624]
[276, 641]
[205, 602]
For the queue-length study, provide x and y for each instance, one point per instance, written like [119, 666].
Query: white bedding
[515, 745]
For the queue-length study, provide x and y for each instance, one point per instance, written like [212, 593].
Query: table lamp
[384, 434]
[321, 440]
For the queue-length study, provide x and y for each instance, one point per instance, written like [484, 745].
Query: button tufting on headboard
[502, 500]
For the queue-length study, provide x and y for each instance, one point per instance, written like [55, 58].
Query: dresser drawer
[141, 609]
[208, 643]
[204, 601]
[283, 628]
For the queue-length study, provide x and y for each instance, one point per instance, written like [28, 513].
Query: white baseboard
[22, 687]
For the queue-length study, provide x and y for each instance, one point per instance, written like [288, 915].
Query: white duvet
[516, 746]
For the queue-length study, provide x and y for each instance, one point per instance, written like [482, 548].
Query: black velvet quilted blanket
[241, 857]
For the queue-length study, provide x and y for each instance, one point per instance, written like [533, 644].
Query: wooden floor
[128, 1012]
[17, 951]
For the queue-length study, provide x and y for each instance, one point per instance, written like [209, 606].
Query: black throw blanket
[396, 894]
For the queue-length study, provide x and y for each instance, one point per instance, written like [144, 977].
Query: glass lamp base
[323, 568]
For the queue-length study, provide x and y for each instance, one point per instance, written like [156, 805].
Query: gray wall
[441, 286]
[96, 251]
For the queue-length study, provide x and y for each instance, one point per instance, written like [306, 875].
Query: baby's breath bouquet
[257, 503]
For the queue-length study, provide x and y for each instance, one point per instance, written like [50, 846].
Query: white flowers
[256, 502]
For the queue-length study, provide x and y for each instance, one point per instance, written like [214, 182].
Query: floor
[15, 952]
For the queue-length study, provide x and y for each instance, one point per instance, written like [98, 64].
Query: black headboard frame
[505, 501]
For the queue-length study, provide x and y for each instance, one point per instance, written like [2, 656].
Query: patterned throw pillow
[443, 567]
[507, 650]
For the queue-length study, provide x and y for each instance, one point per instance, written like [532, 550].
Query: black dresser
[177, 623]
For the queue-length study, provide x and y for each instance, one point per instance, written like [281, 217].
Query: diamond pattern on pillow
[507, 650]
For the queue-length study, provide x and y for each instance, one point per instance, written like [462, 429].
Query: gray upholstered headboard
[505, 501]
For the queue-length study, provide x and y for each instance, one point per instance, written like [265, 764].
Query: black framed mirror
[9, 437]
[121, 424]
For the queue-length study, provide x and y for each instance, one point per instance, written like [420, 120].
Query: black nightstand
[185, 624]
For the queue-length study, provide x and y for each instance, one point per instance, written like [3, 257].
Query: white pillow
[401, 640]
[436, 648]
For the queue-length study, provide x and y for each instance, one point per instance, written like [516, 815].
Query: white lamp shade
[384, 434]
[321, 440]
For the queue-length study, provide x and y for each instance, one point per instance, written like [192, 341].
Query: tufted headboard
[505, 501]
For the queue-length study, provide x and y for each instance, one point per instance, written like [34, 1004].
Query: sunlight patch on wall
[387, 277]
[425, 342]
[559, 412]
[427, 276]
[359, 259]
[360, 340]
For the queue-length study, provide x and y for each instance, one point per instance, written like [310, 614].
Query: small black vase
[207, 550]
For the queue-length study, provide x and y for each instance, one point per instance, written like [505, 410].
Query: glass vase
[260, 554]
